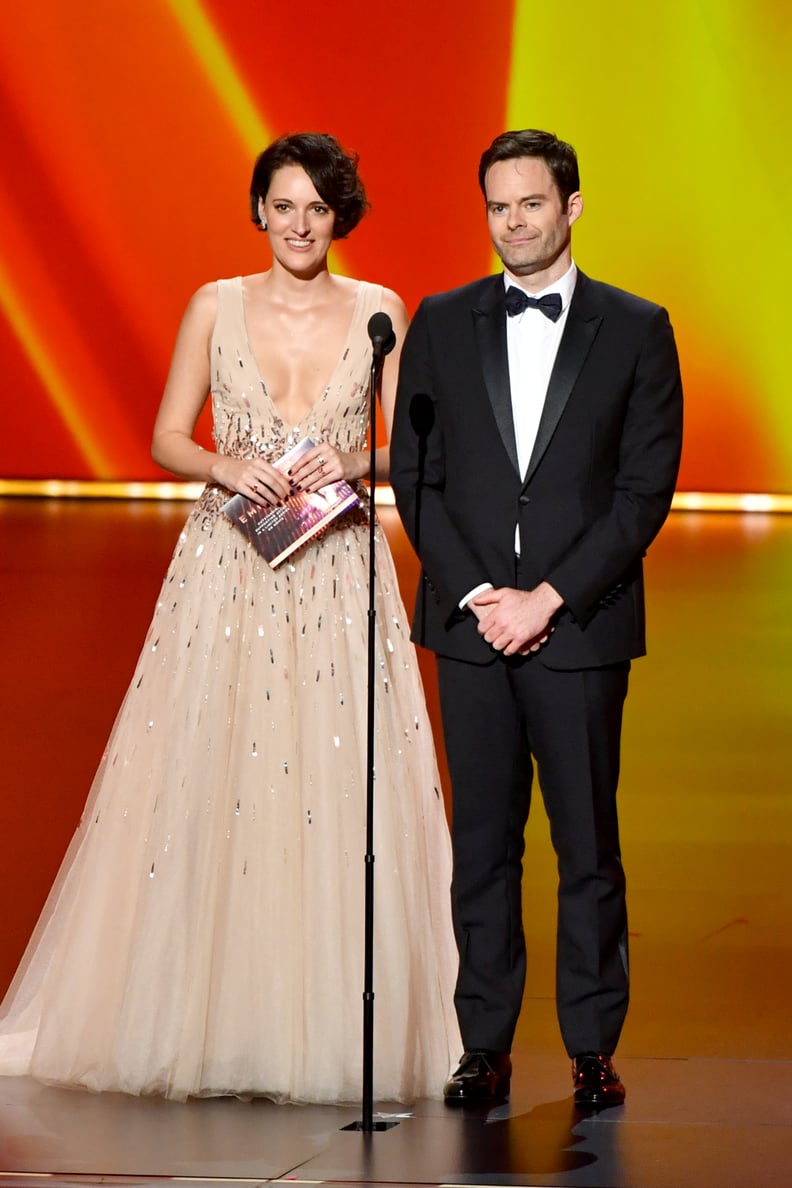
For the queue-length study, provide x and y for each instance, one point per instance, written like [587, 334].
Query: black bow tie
[517, 301]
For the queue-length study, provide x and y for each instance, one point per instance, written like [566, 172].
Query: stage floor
[706, 812]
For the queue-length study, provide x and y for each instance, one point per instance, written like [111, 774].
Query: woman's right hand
[254, 478]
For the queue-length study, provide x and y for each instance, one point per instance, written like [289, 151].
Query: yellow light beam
[208, 47]
[223, 75]
[51, 377]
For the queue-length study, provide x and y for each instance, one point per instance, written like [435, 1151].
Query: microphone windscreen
[422, 414]
[380, 331]
[379, 326]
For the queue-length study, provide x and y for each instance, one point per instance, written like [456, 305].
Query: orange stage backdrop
[130, 129]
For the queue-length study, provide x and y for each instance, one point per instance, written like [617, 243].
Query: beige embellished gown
[205, 933]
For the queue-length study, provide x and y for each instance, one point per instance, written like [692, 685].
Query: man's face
[529, 228]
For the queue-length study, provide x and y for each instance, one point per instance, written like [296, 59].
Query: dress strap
[229, 324]
[370, 301]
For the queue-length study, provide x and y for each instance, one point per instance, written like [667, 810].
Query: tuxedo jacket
[598, 485]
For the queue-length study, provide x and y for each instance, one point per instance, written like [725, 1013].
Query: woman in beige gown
[205, 933]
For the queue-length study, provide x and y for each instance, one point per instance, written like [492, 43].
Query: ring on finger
[320, 460]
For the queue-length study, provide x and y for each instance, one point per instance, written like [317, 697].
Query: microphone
[381, 333]
[422, 415]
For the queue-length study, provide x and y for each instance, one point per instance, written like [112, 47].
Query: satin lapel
[579, 334]
[489, 317]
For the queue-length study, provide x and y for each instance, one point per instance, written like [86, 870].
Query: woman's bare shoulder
[392, 303]
[201, 309]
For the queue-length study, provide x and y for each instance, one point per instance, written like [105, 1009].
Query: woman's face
[299, 222]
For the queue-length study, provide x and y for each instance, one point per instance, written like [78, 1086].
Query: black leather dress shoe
[481, 1077]
[596, 1081]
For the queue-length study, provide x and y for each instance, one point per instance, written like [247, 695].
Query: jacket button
[524, 499]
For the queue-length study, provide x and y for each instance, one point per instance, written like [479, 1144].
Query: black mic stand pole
[383, 342]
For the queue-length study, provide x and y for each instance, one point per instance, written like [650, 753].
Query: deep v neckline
[342, 355]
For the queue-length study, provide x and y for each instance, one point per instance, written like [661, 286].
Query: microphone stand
[383, 340]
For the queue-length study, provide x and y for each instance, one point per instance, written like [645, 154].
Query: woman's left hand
[322, 464]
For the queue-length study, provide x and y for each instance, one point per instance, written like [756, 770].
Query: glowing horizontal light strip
[731, 501]
[707, 501]
[90, 489]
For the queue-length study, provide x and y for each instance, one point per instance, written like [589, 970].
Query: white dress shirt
[532, 341]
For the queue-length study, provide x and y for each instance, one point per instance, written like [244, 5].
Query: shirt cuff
[472, 594]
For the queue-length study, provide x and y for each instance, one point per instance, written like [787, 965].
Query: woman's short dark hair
[332, 170]
[559, 157]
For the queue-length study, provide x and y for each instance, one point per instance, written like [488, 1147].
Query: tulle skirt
[205, 933]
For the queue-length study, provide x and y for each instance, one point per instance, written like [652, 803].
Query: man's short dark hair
[559, 157]
[332, 170]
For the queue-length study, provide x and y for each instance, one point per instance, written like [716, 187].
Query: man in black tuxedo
[534, 454]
